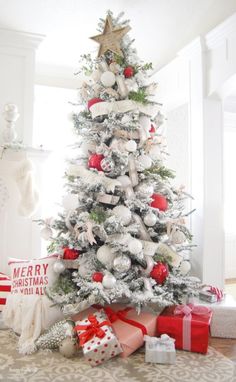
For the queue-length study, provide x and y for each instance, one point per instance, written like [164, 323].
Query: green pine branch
[139, 96]
[164, 172]
[98, 215]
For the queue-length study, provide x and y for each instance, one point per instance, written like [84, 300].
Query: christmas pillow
[28, 310]
[5, 289]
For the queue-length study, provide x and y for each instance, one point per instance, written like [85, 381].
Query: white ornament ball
[67, 347]
[185, 267]
[83, 270]
[145, 161]
[58, 267]
[123, 213]
[155, 152]
[124, 180]
[96, 75]
[46, 233]
[106, 256]
[135, 246]
[178, 237]
[145, 189]
[109, 281]
[108, 79]
[131, 146]
[150, 219]
[70, 202]
[122, 263]
[150, 265]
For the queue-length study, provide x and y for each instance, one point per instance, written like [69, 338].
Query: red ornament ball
[159, 272]
[92, 101]
[159, 201]
[95, 161]
[98, 277]
[70, 254]
[152, 129]
[128, 72]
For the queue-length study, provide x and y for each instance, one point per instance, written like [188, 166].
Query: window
[53, 130]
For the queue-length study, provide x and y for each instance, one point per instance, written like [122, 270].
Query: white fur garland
[102, 108]
[92, 178]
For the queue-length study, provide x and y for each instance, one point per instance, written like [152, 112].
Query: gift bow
[121, 315]
[91, 330]
[163, 340]
[187, 311]
[218, 292]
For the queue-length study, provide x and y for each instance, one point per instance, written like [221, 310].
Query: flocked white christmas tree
[121, 235]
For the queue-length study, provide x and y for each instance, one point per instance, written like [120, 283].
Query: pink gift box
[131, 337]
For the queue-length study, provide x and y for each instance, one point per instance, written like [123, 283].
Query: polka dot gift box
[97, 338]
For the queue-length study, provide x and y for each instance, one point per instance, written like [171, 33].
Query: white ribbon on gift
[103, 108]
[164, 342]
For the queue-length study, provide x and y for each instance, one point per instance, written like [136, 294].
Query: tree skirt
[47, 366]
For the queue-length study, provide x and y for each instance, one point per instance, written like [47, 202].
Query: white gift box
[223, 323]
[160, 350]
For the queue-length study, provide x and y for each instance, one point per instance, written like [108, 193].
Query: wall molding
[218, 35]
[19, 39]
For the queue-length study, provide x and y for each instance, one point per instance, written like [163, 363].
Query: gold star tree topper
[110, 39]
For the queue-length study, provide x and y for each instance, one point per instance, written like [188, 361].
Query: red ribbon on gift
[218, 292]
[91, 330]
[187, 311]
[121, 315]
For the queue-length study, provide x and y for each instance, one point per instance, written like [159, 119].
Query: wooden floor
[225, 346]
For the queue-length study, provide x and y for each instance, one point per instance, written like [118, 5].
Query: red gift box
[188, 324]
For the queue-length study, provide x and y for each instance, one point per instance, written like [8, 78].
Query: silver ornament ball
[145, 189]
[121, 263]
[178, 237]
[145, 162]
[58, 267]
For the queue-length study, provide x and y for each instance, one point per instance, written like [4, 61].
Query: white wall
[200, 76]
[19, 236]
[17, 70]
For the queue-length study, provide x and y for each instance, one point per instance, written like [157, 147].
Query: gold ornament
[110, 39]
